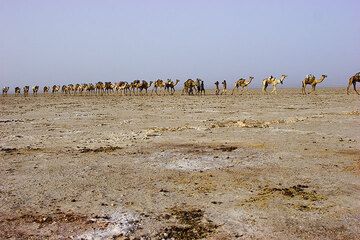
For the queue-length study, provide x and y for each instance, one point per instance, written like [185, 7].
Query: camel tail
[350, 82]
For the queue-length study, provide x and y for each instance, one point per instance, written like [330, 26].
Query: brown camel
[46, 89]
[217, 89]
[90, 88]
[64, 89]
[109, 87]
[26, 90]
[170, 86]
[189, 87]
[353, 80]
[224, 91]
[311, 80]
[17, 91]
[242, 83]
[55, 88]
[144, 85]
[99, 87]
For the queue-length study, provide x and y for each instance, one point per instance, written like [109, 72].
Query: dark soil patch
[190, 224]
[100, 149]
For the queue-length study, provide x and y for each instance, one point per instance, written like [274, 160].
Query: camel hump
[357, 74]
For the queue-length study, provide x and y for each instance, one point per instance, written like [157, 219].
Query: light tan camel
[158, 84]
[273, 81]
[123, 87]
[311, 80]
[353, 80]
[77, 88]
[5, 91]
[242, 83]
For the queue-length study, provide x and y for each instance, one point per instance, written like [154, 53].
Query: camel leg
[274, 89]
[303, 89]
[348, 88]
[232, 93]
[354, 84]
[312, 89]
[263, 88]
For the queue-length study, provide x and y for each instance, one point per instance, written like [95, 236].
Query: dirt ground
[249, 166]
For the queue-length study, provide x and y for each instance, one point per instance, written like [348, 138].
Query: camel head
[251, 77]
[324, 76]
[282, 78]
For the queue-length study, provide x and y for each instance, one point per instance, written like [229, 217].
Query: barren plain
[248, 166]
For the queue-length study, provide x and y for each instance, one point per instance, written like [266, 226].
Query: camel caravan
[162, 87]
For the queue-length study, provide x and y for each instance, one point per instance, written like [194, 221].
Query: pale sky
[77, 41]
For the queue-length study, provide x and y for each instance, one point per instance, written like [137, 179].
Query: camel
[109, 87]
[46, 89]
[99, 87]
[90, 88]
[81, 88]
[70, 88]
[224, 91]
[273, 81]
[158, 84]
[353, 80]
[242, 83]
[64, 89]
[310, 80]
[144, 85]
[170, 86]
[35, 90]
[55, 88]
[26, 91]
[134, 86]
[5, 91]
[189, 86]
[17, 91]
[217, 89]
[77, 88]
[123, 87]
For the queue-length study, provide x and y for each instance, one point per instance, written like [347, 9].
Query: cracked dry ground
[253, 166]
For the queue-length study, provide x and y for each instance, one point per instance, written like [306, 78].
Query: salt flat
[248, 166]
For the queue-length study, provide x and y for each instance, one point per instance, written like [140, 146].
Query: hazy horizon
[63, 42]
